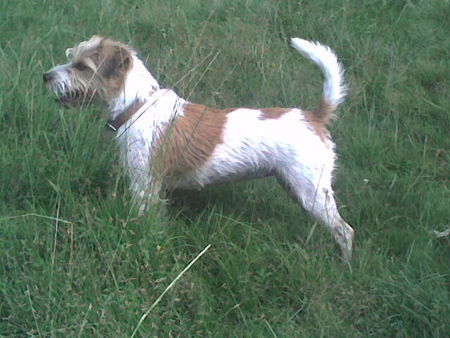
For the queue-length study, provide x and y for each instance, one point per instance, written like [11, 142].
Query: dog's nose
[47, 76]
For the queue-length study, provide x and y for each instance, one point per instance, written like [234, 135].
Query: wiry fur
[169, 142]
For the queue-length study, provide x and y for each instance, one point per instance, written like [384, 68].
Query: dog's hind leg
[317, 198]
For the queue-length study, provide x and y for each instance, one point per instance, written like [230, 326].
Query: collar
[119, 121]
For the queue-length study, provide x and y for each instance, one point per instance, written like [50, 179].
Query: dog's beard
[75, 98]
[71, 97]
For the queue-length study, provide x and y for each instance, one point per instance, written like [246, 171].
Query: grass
[77, 262]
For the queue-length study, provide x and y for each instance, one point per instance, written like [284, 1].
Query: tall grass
[76, 261]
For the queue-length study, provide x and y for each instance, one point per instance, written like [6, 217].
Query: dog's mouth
[74, 98]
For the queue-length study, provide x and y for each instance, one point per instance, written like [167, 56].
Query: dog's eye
[80, 66]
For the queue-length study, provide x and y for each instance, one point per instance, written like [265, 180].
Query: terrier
[167, 142]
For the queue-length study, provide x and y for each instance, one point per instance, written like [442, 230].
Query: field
[75, 259]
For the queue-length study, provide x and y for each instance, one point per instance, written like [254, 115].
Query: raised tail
[334, 89]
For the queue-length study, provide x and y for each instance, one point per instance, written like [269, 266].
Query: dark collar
[120, 120]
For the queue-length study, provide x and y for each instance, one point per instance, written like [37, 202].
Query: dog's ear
[116, 61]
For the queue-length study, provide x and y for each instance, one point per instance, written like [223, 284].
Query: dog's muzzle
[67, 98]
[47, 77]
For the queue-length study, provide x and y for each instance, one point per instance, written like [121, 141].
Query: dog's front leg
[145, 190]
[145, 187]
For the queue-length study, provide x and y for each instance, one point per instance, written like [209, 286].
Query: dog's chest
[188, 142]
[172, 145]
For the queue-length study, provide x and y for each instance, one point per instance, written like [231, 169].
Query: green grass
[75, 261]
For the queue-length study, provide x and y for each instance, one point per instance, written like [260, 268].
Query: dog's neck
[115, 123]
[139, 87]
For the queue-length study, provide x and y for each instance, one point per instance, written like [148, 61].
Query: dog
[167, 142]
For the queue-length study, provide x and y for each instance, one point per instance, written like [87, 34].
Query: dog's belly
[205, 178]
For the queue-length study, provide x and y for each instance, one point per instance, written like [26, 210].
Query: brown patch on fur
[190, 140]
[114, 61]
[319, 128]
[324, 113]
[319, 119]
[115, 58]
[273, 113]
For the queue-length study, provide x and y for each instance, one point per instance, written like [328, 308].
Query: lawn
[77, 261]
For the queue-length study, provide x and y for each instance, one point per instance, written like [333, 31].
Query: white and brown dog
[168, 142]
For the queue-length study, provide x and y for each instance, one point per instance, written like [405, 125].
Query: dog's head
[96, 70]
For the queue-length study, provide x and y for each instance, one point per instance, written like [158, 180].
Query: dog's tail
[334, 89]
